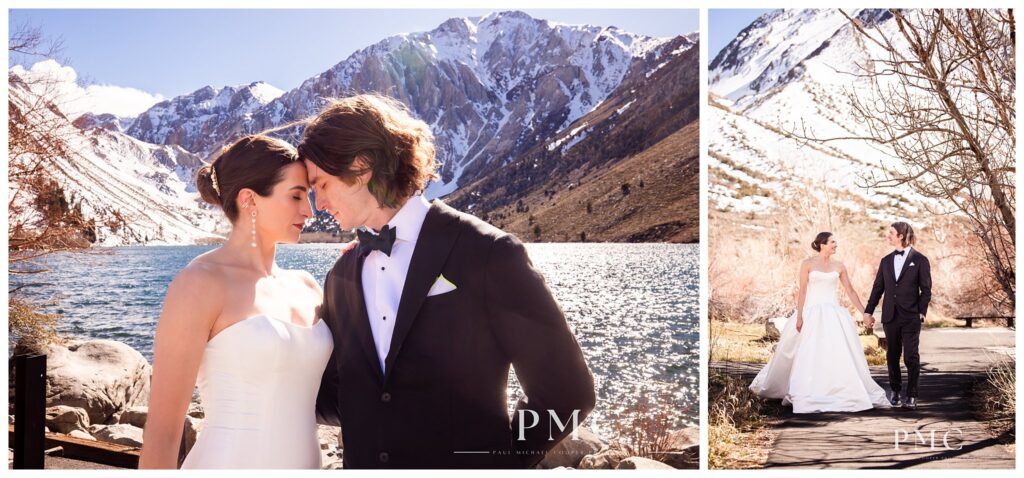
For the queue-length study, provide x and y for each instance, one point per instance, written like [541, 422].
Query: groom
[904, 277]
[430, 310]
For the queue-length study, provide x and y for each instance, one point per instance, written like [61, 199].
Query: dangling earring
[253, 215]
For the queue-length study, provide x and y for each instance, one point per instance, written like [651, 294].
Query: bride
[819, 364]
[242, 328]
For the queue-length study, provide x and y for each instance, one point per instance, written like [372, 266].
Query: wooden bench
[88, 450]
[969, 320]
[882, 342]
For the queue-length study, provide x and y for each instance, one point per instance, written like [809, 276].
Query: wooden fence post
[29, 411]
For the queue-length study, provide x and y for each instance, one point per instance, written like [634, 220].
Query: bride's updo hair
[256, 162]
[820, 240]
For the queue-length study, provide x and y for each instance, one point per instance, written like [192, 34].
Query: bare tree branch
[940, 100]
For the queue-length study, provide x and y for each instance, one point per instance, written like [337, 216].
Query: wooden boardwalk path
[952, 359]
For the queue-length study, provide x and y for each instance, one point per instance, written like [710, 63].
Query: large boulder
[330, 447]
[682, 450]
[135, 416]
[773, 327]
[607, 458]
[328, 436]
[193, 426]
[687, 458]
[195, 410]
[121, 434]
[638, 463]
[65, 419]
[104, 377]
[82, 435]
[569, 452]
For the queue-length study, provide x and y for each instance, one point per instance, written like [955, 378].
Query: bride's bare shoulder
[201, 273]
[208, 262]
[196, 292]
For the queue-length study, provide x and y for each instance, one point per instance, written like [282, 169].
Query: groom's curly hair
[906, 231]
[372, 133]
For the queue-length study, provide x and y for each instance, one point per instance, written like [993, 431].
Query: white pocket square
[911, 264]
[441, 286]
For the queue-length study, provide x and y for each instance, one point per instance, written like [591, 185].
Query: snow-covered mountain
[136, 192]
[786, 77]
[491, 88]
[500, 92]
[208, 116]
[571, 186]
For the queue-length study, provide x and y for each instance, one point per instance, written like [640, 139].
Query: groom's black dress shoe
[894, 399]
[911, 403]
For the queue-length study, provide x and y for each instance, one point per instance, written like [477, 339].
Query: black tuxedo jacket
[906, 298]
[442, 401]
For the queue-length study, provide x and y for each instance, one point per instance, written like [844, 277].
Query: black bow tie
[899, 253]
[383, 242]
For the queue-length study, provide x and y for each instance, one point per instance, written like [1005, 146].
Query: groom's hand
[869, 320]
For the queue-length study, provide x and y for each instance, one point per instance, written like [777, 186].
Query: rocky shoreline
[99, 390]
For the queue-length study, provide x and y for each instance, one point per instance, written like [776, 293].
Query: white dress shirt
[899, 260]
[384, 276]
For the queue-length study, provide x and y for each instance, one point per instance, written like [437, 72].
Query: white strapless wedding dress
[822, 368]
[258, 383]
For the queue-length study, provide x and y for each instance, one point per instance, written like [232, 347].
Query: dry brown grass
[739, 432]
[995, 400]
[939, 323]
[664, 209]
[874, 354]
[748, 343]
[739, 342]
[645, 428]
[730, 448]
[29, 329]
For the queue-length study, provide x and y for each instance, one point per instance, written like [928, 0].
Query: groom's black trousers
[903, 335]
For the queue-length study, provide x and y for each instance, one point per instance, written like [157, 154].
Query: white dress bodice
[821, 288]
[258, 383]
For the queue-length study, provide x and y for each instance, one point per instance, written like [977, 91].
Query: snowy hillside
[785, 78]
[135, 191]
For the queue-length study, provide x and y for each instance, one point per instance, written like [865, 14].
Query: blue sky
[174, 52]
[724, 25]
